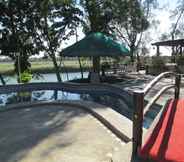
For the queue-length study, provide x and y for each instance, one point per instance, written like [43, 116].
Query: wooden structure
[140, 110]
[176, 45]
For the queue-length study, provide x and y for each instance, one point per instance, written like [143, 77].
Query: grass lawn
[44, 66]
[6, 67]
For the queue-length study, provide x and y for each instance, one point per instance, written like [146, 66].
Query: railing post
[177, 86]
[138, 99]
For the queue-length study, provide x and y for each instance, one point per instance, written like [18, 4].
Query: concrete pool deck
[66, 133]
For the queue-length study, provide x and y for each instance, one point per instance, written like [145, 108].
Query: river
[51, 77]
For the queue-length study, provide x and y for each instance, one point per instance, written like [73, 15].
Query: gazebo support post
[180, 50]
[158, 50]
[96, 65]
[80, 65]
[173, 55]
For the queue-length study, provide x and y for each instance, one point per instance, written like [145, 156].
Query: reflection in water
[36, 95]
[13, 98]
[1, 101]
[110, 101]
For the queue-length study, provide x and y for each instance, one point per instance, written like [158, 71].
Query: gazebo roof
[178, 42]
[96, 44]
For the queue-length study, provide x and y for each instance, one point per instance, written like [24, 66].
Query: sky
[162, 14]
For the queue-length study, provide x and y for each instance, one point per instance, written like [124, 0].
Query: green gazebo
[96, 45]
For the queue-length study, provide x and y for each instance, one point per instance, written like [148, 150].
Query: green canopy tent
[96, 45]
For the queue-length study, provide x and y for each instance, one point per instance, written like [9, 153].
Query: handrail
[156, 80]
[156, 97]
[139, 111]
[69, 87]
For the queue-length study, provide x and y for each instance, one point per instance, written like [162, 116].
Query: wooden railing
[140, 110]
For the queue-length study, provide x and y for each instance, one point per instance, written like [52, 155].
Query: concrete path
[55, 134]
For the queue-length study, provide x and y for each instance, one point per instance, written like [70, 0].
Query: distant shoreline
[47, 71]
[45, 67]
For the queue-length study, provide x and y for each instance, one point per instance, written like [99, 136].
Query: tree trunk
[80, 64]
[173, 57]
[56, 67]
[132, 50]
[18, 68]
[138, 63]
[96, 65]
[2, 80]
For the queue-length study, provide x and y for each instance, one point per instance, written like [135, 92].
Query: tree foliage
[131, 20]
[33, 27]
[58, 20]
[16, 31]
[177, 27]
[97, 16]
[96, 19]
[44, 24]
[123, 20]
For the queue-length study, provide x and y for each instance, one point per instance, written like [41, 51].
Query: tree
[46, 23]
[56, 22]
[15, 33]
[97, 18]
[130, 21]
[177, 27]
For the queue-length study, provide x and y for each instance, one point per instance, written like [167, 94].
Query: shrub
[180, 60]
[158, 63]
[26, 76]
[156, 66]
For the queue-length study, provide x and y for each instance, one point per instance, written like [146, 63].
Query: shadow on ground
[22, 130]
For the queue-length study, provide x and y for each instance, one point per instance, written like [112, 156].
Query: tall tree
[15, 33]
[96, 19]
[57, 22]
[46, 23]
[177, 28]
[131, 21]
[177, 15]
